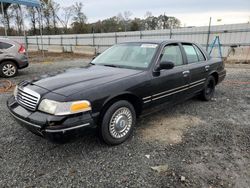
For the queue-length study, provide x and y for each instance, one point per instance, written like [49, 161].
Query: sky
[190, 12]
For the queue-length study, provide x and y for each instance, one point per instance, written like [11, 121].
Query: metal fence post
[208, 33]
[115, 38]
[61, 40]
[37, 43]
[140, 34]
[26, 42]
[170, 33]
[93, 38]
[76, 40]
[49, 41]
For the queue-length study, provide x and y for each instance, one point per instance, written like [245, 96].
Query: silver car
[12, 57]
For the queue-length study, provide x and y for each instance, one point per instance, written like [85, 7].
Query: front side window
[128, 55]
[172, 53]
[191, 53]
[4, 45]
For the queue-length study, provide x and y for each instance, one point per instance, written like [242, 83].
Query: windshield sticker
[148, 45]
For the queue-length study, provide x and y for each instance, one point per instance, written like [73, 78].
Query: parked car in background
[12, 57]
[115, 88]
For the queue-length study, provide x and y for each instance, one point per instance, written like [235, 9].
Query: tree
[79, 19]
[7, 17]
[54, 7]
[135, 25]
[124, 18]
[49, 13]
[46, 14]
[66, 16]
[15, 12]
[32, 15]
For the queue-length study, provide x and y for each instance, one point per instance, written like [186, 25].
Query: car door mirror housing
[165, 65]
[95, 56]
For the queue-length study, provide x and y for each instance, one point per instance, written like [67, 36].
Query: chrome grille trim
[27, 98]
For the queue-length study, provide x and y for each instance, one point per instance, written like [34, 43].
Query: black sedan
[112, 92]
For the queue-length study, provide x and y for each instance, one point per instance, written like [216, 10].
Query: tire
[8, 69]
[118, 123]
[208, 92]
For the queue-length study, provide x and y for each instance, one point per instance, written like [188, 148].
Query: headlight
[15, 91]
[64, 108]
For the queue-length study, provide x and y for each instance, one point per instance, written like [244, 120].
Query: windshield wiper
[110, 65]
[91, 63]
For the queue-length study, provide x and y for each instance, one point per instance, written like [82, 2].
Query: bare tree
[125, 18]
[79, 18]
[7, 17]
[127, 15]
[46, 14]
[15, 11]
[54, 7]
[148, 14]
[66, 16]
[32, 15]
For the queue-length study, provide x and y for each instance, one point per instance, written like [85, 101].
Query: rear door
[170, 83]
[198, 67]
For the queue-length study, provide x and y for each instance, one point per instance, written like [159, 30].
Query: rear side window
[172, 53]
[200, 54]
[4, 45]
[192, 56]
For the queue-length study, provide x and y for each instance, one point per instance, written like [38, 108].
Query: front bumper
[52, 127]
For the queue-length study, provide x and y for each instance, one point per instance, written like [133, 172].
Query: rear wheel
[208, 92]
[8, 69]
[118, 122]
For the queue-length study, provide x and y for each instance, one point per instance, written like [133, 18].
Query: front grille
[27, 98]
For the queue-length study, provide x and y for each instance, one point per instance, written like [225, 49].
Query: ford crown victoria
[116, 87]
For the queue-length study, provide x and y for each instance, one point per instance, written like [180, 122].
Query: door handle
[185, 73]
[207, 67]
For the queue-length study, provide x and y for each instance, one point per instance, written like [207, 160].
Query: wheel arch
[11, 60]
[130, 97]
[216, 76]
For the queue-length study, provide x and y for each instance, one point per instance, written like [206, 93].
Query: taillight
[22, 49]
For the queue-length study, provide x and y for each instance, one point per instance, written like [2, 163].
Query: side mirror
[165, 65]
[97, 54]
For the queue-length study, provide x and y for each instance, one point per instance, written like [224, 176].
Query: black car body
[106, 87]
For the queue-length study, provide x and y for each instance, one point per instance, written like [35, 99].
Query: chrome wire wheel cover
[9, 70]
[120, 122]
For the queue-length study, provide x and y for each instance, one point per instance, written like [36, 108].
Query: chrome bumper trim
[50, 130]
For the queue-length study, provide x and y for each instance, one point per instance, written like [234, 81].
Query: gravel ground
[194, 144]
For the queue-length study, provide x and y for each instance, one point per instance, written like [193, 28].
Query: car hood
[70, 81]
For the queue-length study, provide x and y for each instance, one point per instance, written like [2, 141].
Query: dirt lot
[48, 57]
[196, 144]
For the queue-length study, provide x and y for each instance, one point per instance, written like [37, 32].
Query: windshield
[129, 55]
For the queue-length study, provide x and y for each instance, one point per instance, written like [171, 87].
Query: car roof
[156, 41]
[4, 38]
[7, 40]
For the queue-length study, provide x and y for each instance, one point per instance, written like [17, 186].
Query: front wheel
[208, 92]
[118, 122]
